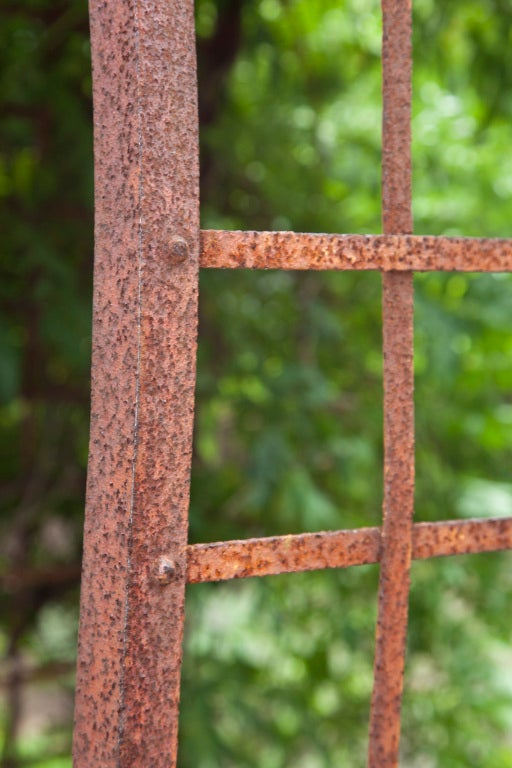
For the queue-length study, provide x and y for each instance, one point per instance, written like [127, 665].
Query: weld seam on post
[144, 353]
[122, 687]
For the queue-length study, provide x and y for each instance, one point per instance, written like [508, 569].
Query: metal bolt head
[178, 250]
[166, 570]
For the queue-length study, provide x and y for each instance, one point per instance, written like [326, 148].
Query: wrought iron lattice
[148, 251]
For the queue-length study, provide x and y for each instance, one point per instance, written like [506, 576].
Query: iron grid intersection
[136, 558]
[269, 556]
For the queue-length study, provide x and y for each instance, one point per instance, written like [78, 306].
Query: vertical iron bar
[143, 379]
[398, 394]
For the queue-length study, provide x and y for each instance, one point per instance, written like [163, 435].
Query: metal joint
[178, 251]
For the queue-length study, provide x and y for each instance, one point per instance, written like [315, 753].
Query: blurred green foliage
[277, 672]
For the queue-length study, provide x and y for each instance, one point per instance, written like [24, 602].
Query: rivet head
[166, 570]
[178, 251]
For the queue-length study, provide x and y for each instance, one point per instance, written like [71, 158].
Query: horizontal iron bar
[339, 549]
[293, 250]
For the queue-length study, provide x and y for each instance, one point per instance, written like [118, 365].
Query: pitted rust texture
[241, 559]
[397, 306]
[282, 554]
[398, 510]
[396, 116]
[145, 297]
[295, 250]
[461, 537]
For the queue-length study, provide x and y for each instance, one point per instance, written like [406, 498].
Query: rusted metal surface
[282, 554]
[224, 560]
[396, 117]
[295, 250]
[136, 558]
[144, 344]
[397, 523]
[398, 310]
[219, 561]
[461, 537]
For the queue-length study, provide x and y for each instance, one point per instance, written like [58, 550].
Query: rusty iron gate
[148, 252]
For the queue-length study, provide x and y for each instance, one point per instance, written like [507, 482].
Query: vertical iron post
[398, 333]
[143, 381]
